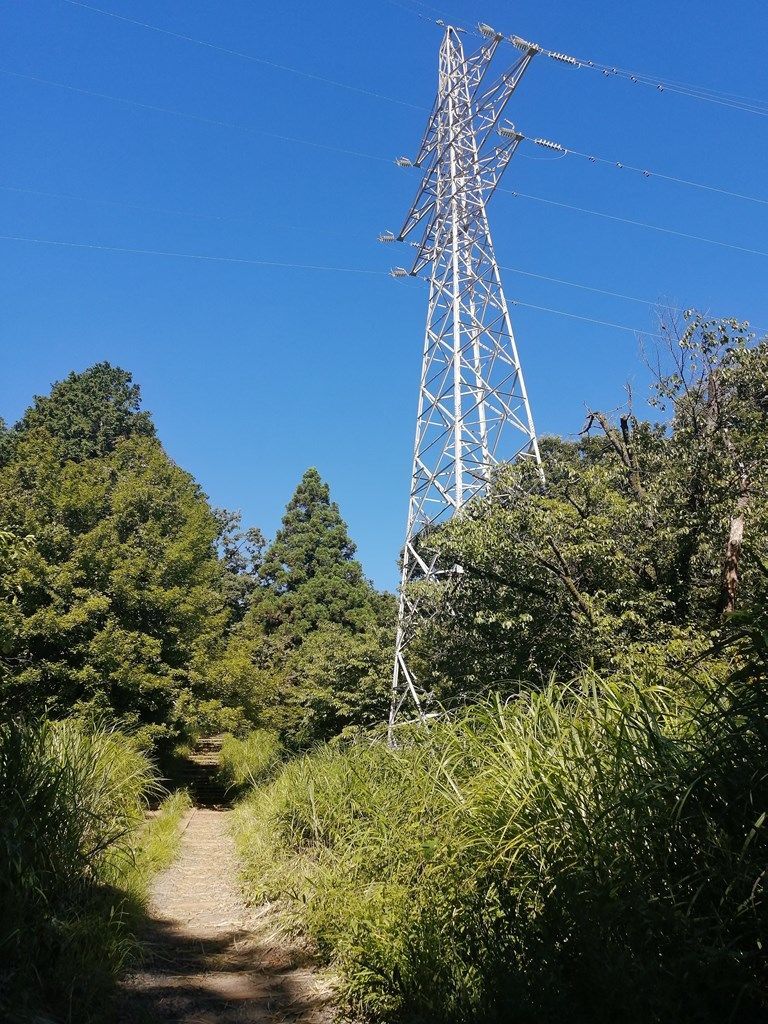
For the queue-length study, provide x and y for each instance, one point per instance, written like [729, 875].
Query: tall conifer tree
[310, 575]
[315, 646]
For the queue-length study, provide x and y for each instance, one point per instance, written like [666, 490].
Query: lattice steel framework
[473, 408]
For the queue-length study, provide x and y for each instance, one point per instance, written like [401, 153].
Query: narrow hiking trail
[211, 959]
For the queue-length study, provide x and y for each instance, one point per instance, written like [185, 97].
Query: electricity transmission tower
[473, 407]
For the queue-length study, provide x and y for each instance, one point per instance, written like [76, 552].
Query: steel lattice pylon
[473, 408]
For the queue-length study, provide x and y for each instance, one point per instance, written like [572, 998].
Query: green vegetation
[586, 841]
[76, 860]
[591, 853]
[316, 640]
[130, 608]
[580, 834]
[646, 535]
[118, 603]
[251, 760]
[158, 842]
[135, 601]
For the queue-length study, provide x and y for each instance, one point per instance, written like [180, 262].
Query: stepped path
[211, 959]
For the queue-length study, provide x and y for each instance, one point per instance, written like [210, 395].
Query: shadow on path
[211, 960]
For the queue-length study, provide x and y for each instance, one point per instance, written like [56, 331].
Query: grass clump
[158, 842]
[251, 760]
[75, 862]
[572, 855]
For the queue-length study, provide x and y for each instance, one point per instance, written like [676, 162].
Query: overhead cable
[736, 101]
[194, 117]
[244, 56]
[647, 173]
[345, 85]
[367, 156]
[117, 202]
[636, 223]
[285, 265]
[119, 249]
[232, 217]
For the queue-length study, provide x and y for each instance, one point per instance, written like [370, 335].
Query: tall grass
[251, 760]
[573, 855]
[72, 805]
[157, 843]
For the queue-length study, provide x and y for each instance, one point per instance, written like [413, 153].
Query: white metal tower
[473, 408]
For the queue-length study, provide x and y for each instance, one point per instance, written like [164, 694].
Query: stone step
[199, 773]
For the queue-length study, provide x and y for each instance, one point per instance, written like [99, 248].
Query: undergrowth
[157, 844]
[251, 760]
[76, 861]
[581, 855]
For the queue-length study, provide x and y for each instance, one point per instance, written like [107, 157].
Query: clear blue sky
[253, 372]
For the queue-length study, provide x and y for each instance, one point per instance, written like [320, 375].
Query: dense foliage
[247, 762]
[313, 649]
[645, 535]
[584, 842]
[587, 844]
[126, 594]
[593, 853]
[118, 599]
[75, 860]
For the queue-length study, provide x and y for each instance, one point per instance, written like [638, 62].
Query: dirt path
[212, 960]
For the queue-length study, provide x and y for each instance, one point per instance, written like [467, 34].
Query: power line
[123, 250]
[125, 204]
[372, 93]
[670, 177]
[244, 56]
[636, 223]
[182, 213]
[118, 202]
[350, 152]
[194, 117]
[759, 107]
[575, 284]
[695, 92]
[704, 93]
[190, 256]
[217, 217]
[410, 10]
[588, 319]
[563, 150]
[557, 148]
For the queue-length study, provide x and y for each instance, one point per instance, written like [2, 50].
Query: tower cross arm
[490, 105]
[478, 114]
[475, 68]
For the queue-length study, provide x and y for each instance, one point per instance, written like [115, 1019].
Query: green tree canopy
[119, 600]
[88, 413]
[312, 654]
[645, 534]
[309, 575]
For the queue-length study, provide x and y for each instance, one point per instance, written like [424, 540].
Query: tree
[309, 576]
[718, 391]
[336, 680]
[312, 653]
[241, 553]
[645, 535]
[88, 413]
[120, 605]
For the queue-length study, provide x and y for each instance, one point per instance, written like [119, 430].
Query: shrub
[250, 761]
[71, 803]
[571, 855]
[158, 842]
